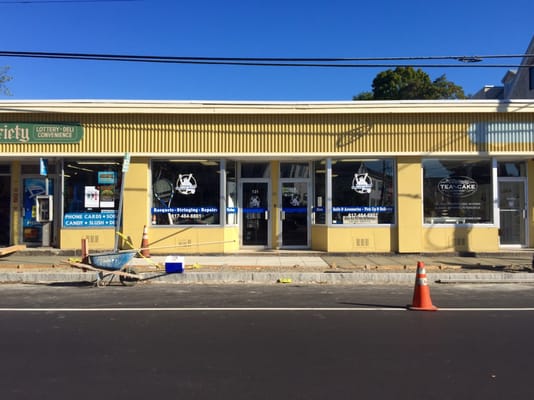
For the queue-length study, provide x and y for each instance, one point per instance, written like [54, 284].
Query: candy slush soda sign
[40, 133]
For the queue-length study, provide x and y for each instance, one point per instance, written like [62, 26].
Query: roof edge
[264, 107]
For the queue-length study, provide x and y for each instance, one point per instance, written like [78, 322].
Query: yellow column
[276, 233]
[136, 200]
[16, 202]
[409, 204]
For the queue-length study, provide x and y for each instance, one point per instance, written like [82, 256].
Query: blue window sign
[77, 220]
[107, 177]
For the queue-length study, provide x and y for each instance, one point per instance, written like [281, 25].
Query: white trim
[283, 157]
[247, 107]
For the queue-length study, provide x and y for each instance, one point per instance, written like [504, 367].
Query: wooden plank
[88, 267]
[5, 251]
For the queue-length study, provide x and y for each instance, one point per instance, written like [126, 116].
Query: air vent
[93, 238]
[361, 242]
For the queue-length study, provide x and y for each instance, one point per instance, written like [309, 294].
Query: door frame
[524, 181]
[240, 202]
[308, 183]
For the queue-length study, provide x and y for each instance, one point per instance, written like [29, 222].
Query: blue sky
[248, 28]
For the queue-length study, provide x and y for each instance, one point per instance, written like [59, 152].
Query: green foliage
[4, 78]
[407, 83]
[447, 90]
[364, 96]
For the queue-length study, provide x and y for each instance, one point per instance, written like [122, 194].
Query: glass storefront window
[319, 182]
[185, 192]
[511, 169]
[457, 192]
[255, 170]
[91, 192]
[294, 170]
[362, 192]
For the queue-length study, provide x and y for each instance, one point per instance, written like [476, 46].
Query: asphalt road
[265, 342]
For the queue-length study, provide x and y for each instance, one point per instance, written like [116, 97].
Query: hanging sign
[126, 162]
[43, 167]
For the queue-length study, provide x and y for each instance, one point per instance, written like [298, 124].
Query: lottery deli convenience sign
[40, 133]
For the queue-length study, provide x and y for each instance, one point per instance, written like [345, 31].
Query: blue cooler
[174, 264]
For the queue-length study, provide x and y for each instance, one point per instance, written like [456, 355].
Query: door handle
[266, 215]
[282, 215]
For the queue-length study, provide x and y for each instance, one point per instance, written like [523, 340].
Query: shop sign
[84, 220]
[186, 184]
[40, 133]
[363, 209]
[362, 183]
[43, 167]
[107, 177]
[186, 213]
[352, 218]
[462, 186]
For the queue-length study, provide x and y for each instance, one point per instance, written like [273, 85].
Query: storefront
[406, 177]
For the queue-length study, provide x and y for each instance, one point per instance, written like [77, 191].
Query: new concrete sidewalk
[297, 267]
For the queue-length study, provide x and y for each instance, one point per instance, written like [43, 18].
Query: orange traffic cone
[145, 252]
[421, 295]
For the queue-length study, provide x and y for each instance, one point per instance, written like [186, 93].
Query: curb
[339, 278]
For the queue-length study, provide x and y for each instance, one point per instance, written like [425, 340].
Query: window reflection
[457, 191]
[362, 192]
[185, 192]
[91, 192]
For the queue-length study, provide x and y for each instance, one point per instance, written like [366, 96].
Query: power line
[315, 62]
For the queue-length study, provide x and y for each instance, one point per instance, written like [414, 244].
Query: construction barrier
[421, 295]
[144, 251]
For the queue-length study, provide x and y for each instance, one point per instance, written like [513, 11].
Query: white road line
[219, 309]
[488, 309]
[202, 309]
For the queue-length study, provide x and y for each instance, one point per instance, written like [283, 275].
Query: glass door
[512, 212]
[294, 214]
[255, 206]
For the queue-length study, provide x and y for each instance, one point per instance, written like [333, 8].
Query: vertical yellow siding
[344, 133]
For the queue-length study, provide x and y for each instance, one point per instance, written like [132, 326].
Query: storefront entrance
[294, 216]
[512, 211]
[255, 227]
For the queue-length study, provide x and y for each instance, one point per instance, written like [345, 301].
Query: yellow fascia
[461, 239]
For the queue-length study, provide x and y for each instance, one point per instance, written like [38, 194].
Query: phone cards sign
[83, 220]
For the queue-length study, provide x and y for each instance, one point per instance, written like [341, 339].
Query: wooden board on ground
[88, 267]
[6, 251]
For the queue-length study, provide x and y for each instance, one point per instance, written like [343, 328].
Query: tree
[406, 83]
[4, 78]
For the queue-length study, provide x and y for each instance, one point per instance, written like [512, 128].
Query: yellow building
[220, 177]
